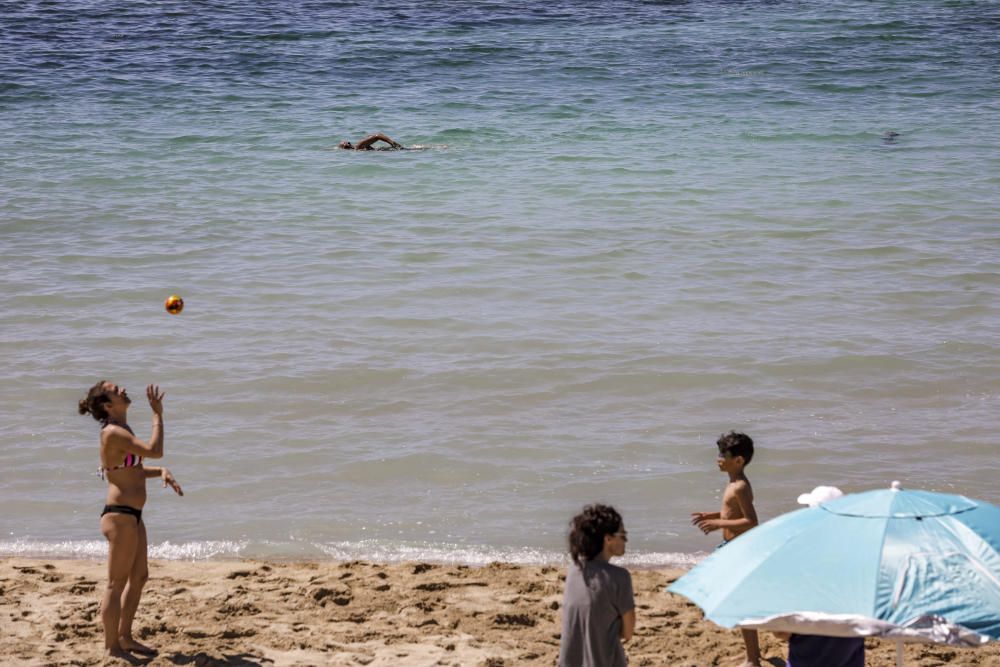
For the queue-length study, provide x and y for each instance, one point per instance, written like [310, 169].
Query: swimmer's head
[346, 145]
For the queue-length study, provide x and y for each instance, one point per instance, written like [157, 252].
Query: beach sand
[356, 613]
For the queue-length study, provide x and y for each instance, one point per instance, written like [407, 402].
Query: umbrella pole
[899, 654]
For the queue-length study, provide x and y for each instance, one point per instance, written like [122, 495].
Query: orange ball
[174, 304]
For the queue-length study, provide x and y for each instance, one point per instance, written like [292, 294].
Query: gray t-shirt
[593, 604]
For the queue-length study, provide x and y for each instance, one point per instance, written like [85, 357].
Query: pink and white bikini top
[131, 460]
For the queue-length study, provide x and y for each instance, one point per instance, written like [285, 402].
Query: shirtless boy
[737, 515]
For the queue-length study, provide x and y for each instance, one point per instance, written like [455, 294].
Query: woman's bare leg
[123, 536]
[131, 595]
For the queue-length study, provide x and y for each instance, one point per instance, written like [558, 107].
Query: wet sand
[356, 613]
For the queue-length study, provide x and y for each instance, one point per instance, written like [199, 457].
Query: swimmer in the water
[366, 143]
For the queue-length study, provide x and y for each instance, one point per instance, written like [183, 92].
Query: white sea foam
[99, 549]
[465, 555]
[367, 550]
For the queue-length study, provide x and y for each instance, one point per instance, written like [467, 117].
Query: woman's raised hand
[155, 397]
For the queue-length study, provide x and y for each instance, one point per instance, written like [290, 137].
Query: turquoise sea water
[638, 225]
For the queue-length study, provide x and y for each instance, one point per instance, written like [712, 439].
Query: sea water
[636, 225]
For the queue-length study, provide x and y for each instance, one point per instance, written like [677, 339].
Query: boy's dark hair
[736, 444]
[587, 531]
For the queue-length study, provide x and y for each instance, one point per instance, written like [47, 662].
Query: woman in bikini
[121, 521]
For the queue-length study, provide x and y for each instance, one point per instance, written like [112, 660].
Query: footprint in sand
[83, 587]
[339, 594]
[523, 620]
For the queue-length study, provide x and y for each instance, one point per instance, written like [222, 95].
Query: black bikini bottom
[123, 509]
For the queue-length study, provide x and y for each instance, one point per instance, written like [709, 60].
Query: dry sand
[415, 614]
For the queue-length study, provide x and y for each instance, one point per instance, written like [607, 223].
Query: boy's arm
[744, 498]
[698, 517]
[708, 525]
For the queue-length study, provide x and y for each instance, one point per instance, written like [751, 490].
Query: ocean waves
[641, 224]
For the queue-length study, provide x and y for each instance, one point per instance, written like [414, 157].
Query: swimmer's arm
[366, 143]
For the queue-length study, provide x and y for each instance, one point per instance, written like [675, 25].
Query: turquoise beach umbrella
[906, 565]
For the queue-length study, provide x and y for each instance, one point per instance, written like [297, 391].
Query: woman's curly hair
[97, 397]
[587, 531]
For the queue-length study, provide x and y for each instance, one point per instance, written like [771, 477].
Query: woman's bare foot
[129, 644]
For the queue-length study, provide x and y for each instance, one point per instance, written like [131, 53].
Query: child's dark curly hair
[737, 444]
[587, 531]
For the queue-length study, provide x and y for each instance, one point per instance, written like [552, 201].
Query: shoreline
[384, 554]
[289, 613]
